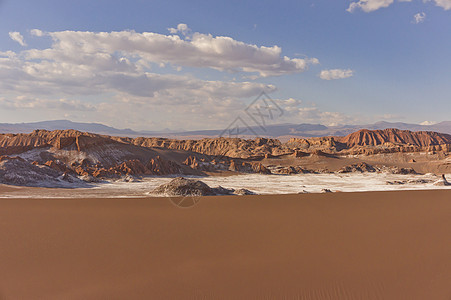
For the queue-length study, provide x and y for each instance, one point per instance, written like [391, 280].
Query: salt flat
[261, 184]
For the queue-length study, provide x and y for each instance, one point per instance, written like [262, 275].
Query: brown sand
[376, 245]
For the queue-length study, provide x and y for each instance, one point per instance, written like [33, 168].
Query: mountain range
[280, 131]
[71, 158]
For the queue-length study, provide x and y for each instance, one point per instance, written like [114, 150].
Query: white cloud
[37, 32]
[419, 17]
[336, 74]
[445, 4]
[182, 28]
[369, 5]
[17, 37]
[372, 5]
[199, 50]
[101, 82]
[86, 63]
[102, 75]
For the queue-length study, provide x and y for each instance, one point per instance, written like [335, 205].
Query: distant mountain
[274, 131]
[63, 125]
[313, 130]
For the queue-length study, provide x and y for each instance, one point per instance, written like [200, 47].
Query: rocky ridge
[72, 153]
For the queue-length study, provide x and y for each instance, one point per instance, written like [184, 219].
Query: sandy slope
[378, 245]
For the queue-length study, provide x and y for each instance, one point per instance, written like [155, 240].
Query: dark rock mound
[404, 171]
[361, 167]
[184, 187]
[189, 187]
[17, 171]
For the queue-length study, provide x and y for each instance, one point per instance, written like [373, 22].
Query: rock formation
[90, 156]
[183, 187]
[180, 186]
[17, 171]
[361, 167]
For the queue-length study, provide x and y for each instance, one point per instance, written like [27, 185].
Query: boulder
[184, 187]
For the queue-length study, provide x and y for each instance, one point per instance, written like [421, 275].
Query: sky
[151, 65]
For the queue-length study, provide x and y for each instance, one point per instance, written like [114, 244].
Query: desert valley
[90, 216]
[73, 160]
[225, 150]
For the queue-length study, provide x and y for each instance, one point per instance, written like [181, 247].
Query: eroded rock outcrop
[230, 147]
[184, 187]
[393, 136]
[180, 186]
[17, 171]
[361, 167]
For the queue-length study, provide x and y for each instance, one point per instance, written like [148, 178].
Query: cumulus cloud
[372, 5]
[37, 32]
[199, 50]
[102, 75]
[445, 4]
[336, 74]
[87, 63]
[17, 37]
[181, 28]
[369, 5]
[419, 18]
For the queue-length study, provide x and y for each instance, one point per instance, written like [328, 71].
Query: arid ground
[373, 245]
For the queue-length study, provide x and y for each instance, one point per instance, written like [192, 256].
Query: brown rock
[132, 167]
[191, 162]
[259, 168]
[56, 166]
[62, 142]
[158, 166]
[233, 166]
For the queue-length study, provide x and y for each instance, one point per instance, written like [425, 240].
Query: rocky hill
[422, 139]
[377, 141]
[229, 147]
[75, 154]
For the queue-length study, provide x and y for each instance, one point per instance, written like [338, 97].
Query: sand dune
[379, 245]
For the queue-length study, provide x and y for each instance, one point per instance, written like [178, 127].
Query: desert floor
[372, 245]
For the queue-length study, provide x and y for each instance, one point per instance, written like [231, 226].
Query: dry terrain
[378, 245]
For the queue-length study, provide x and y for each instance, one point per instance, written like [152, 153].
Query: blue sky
[322, 61]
